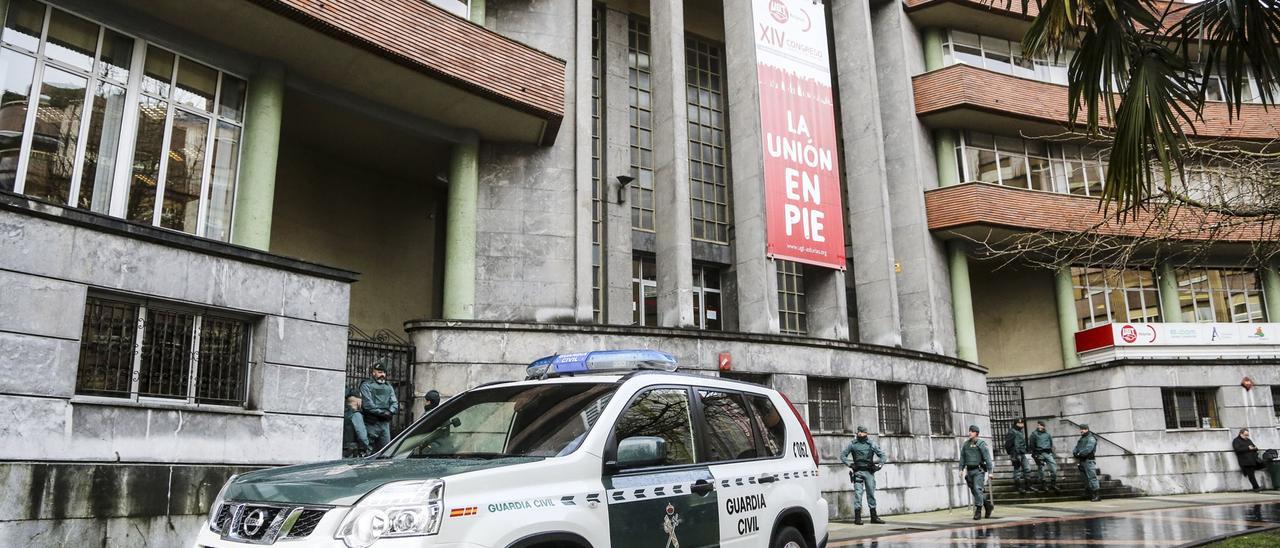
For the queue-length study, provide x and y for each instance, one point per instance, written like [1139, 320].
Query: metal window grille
[644, 289]
[638, 62]
[891, 401]
[939, 412]
[792, 315]
[1106, 295]
[597, 178]
[1007, 406]
[826, 405]
[153, 350]
[364, 350]
[1190, 408]
[708, 171]
[1275, 401]
[1220, 295]
[706, 298]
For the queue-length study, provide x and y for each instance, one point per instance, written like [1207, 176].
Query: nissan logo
[254, 522]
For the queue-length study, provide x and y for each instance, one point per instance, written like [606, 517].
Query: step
[1064, 497]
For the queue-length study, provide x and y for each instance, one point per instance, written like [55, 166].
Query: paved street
[1148, 521]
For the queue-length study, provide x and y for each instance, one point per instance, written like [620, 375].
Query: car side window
[728, 427]
[770, 425]
[661, 412]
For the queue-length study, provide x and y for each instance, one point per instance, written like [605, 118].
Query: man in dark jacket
[1084, 454]
[1041, 444]
[1247, 455]
[430, 401]
[355, 439]
[1015, 445]
[378, 402]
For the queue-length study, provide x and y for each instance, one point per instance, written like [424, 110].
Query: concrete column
[1065, 298]
[256, 192]
[944, 151]
[460, 232]
[962, 302]
[827, 303]
[932, 41]
[583, 295]
[1271, 291]
[867, 212]
[757, 277]
[477, 12]
[1167, 280]
[617, 161]
[671, 165]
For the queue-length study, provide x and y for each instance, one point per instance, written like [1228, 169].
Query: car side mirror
[640, 451]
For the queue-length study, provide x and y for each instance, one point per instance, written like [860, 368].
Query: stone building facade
[204, 199]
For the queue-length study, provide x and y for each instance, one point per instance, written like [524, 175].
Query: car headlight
[399, 509]
[217, 504]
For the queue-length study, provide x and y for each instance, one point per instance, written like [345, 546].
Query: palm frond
[1234, 36]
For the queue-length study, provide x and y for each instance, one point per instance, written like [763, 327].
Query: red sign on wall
[804, 216]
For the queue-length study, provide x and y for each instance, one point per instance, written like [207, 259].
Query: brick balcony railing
[962, 87]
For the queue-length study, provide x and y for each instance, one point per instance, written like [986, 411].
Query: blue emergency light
[600, 361]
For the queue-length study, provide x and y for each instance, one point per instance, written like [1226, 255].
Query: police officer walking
[1015, 445]
[862, 473]
[1041, 443]
[379, 404]
[975, 460]
[1084, 453]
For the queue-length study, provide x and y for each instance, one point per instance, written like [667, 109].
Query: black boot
[874, 517]
[1021, 486]
[991, 507]
[1053, 485]
[857, 516]
[977, 512]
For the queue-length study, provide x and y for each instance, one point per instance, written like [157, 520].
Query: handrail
[1077, 425]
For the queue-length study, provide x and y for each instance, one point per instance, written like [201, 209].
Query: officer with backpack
[1015, 445]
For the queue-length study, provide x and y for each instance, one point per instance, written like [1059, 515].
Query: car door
[672, 504]
[745, 466]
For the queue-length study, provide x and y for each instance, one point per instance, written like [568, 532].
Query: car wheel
[789, 537]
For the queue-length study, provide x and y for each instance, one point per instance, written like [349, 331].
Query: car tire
[789, 537]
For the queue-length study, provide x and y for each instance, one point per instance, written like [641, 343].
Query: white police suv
[594, 450]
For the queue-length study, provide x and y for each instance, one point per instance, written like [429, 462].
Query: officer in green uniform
[378, 404]
[355, 439]
[975, 460]
[1015, 445]
[1085, 448]
[862, 473]
[1041, 443]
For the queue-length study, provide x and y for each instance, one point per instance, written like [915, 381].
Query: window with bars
[644, 289]
[1220, 295]
[939, 411]
[891, 401]
[1190, 408]
[79, 137]
[708, 171]
[792, 315]
[638, 74]
[131, 349]
[1105, 295]
[1275, 401]
[706, 298]
[597, 177]
[826, 404]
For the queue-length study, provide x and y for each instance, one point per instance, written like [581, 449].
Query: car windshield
[530, 420]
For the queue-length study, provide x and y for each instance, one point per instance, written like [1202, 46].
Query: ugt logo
[1129, 334]
[778, 9]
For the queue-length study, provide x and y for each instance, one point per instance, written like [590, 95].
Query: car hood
[343, 482]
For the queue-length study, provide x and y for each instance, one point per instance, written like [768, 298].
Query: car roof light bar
[600, 361]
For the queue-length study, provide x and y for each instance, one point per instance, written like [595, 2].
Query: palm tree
[1142, 68]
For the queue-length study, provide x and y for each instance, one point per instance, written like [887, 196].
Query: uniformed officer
[1085, 448]
[975, 460]
[1041, 443]
[379, 404]
[355, 439]
[1015, 445]
[862, 473]
[430, 401]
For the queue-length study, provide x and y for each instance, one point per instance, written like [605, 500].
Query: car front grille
[265, 523]
[306, 523]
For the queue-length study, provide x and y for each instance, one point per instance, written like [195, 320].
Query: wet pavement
[1064, 525]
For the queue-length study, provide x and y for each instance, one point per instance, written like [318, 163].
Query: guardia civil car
[594, 450]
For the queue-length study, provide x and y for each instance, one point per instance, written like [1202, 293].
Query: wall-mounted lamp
[623, 181]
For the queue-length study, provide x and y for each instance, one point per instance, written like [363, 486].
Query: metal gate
[364, 350]
[1006, 407]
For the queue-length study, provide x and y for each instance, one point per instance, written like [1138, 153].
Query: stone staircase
[1070, 484]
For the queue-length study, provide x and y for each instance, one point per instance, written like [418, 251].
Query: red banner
[804, 214]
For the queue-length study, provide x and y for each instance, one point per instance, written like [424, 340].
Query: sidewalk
[1009, 514]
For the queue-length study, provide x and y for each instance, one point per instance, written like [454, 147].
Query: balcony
[965, 97]
[1165, 341]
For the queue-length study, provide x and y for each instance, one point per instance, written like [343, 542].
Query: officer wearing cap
[1041, 443]
[1015, 445]
[430, 401]
[378, 404]
[862, 472]
[975, 460]
[1085, 448]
